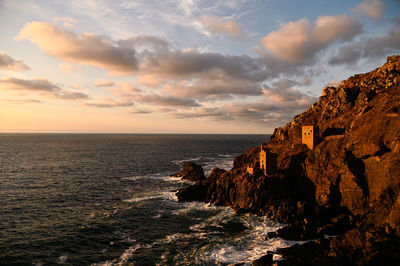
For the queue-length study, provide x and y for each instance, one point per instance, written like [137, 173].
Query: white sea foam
[138, 177]
[63, 259]
[180, 162]
[248, 245]
[165, 195]
[223, 161]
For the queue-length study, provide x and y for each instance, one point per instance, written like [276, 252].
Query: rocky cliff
[349, 180]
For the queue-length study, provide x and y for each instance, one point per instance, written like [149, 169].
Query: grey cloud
[29, 84]
[139, 111]
[109, 103]
[67, 95]
[41, 86]
[146, 43]
[19, 101]
[381, 45]
[163, 100]
[178, 63]
[8, 63]
[277, 107]
[282, 91]
[206, 89]
[347, 54]
[374, 47]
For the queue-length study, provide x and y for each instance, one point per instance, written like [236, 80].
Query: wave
[165, 195]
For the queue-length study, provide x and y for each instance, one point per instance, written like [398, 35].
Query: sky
[181, 66]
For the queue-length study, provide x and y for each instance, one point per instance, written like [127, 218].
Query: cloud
[104, 83]
[374, 9]
[228, 28]
[88, 49]
[8, 63]
[68, 68]
[165, 100]
[374, 47]
[139, 55]
[178, 63]
[300, 41]
[282, 92]
[347, 54]
[19, 101]
[41, 87]
[67, 21]
[109, 103]
[213, 89]
[265, 112]
[136, 110]
[280, 103]
[383, 44]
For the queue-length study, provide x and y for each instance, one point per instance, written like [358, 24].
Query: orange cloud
[374, 9]
[300, 40]
[88, 49]
[104, 83]
[68, 68]
[228, 27]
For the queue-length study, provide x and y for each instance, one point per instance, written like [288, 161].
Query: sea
[107, 199]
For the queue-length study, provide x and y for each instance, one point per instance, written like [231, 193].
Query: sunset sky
[181, 66]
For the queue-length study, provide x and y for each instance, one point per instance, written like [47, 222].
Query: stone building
[263, 160]
[308, 136]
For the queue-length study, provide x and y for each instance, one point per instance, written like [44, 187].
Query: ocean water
[93, 199]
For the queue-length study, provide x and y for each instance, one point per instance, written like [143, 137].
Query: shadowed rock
[191, 172]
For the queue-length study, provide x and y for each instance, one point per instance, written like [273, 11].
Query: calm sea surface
[92, 199]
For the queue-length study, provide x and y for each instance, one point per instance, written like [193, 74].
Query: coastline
[345, 186]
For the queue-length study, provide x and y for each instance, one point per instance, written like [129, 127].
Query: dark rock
[191, 172]
[196, 192]
[233, 226]
[264, 260]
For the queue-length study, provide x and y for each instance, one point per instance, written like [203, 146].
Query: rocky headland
[343, 194]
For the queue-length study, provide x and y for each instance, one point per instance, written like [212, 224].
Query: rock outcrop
[349, 182]
[191, 172]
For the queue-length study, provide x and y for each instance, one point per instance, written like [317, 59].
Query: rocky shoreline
[347, 186]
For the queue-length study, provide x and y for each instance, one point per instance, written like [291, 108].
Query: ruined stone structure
[308, 136]
[265, 165]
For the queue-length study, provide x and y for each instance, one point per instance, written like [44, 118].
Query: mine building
[308, 136]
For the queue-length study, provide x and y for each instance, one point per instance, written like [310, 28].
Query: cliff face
[356, 162]
[354, 167]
